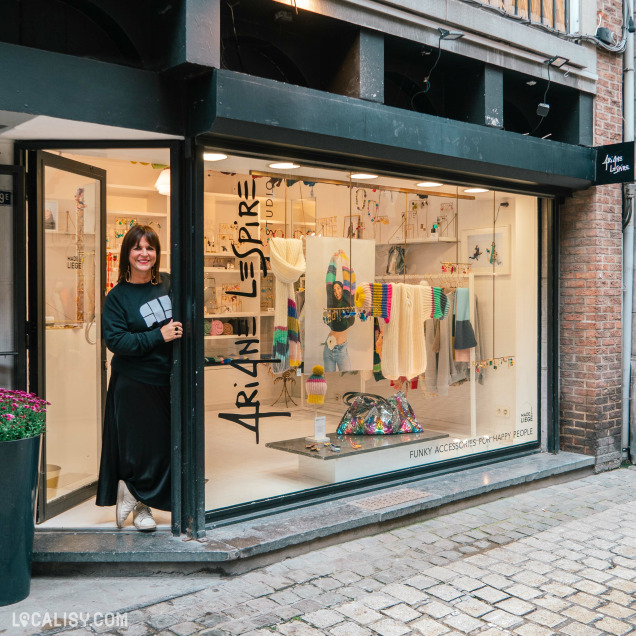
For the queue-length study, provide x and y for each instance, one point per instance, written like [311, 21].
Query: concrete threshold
[247, 544]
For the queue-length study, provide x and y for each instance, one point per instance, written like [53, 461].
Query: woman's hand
[172, 331]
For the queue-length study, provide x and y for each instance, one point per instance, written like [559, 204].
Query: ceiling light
[445, 34]
[475, 190]
[163, 182]
[531, 83]
[214, 156]
[363, 175]
[284, 165]
[429, 184]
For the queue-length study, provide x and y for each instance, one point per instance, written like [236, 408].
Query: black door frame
[19, 351]
[180, 226]
[553, 311]
[37, 162]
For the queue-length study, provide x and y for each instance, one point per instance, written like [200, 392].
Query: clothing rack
[450, 280]
[445, 278]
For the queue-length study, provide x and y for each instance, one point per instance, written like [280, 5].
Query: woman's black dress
[136, 436]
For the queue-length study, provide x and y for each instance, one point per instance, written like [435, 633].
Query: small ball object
[316, 386]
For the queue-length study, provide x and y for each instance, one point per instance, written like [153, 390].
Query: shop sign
[615, 163]
[6, 197]
[250, 414]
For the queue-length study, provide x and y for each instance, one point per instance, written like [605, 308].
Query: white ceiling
[20, 127]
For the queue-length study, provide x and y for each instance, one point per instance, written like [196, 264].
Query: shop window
[464, 361]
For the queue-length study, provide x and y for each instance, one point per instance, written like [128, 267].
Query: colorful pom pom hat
[316, 386]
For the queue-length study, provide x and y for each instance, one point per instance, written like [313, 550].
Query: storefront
[457, 222]
[482, 252]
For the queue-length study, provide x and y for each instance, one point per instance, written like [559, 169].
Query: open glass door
[67, 357]
[12, 278]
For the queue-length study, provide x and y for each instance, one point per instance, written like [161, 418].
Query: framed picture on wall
[487, 250]
[50, 216]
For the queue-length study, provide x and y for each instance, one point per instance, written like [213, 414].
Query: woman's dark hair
[132, 238]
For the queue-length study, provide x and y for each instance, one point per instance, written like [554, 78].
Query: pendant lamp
[163, 182]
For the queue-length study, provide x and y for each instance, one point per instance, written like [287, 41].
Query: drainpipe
[628, 241]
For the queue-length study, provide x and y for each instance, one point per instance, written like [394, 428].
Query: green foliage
[22, 415]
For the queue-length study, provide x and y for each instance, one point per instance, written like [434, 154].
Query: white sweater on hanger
[403, 349]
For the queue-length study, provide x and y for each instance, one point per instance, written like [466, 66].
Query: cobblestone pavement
[558, 560]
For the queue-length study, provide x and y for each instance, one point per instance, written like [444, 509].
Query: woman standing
[138, 328]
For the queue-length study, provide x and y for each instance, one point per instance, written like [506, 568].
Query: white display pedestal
[371, 455]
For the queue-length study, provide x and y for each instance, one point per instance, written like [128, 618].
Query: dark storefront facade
[471, 208]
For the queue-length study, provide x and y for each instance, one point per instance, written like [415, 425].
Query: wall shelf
[416, 241]
[231, 314]
[160, 215]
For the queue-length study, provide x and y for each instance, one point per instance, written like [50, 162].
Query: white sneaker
[125, 504]
[143, 519]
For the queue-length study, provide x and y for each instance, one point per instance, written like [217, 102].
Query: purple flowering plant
[22, 415]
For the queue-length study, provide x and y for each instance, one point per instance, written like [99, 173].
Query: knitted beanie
[316, 386]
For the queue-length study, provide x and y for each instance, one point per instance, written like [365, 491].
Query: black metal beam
[362, 71]
[553, 326]
[18, 265]
[487, 100]
[196, 41]
[68, 87]
[578, 128]
[237, 111]
[193, 408]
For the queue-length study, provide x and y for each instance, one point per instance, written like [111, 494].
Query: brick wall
[591, 261]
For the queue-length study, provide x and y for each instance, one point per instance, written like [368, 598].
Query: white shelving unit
[143, 205]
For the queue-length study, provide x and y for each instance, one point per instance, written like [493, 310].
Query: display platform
[357, 457]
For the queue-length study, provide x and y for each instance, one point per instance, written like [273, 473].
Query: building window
[551, 13]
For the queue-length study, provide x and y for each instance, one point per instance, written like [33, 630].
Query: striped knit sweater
[348, 290]
[288, 264]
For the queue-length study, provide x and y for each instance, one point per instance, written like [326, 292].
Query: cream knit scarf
[403, 348]
[288, 264]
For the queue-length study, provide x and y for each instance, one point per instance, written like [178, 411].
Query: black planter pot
[18, 481]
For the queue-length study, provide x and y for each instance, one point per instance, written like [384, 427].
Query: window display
[421, 303]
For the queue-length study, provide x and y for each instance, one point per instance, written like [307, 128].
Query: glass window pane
[459, 348]
[73, 339]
